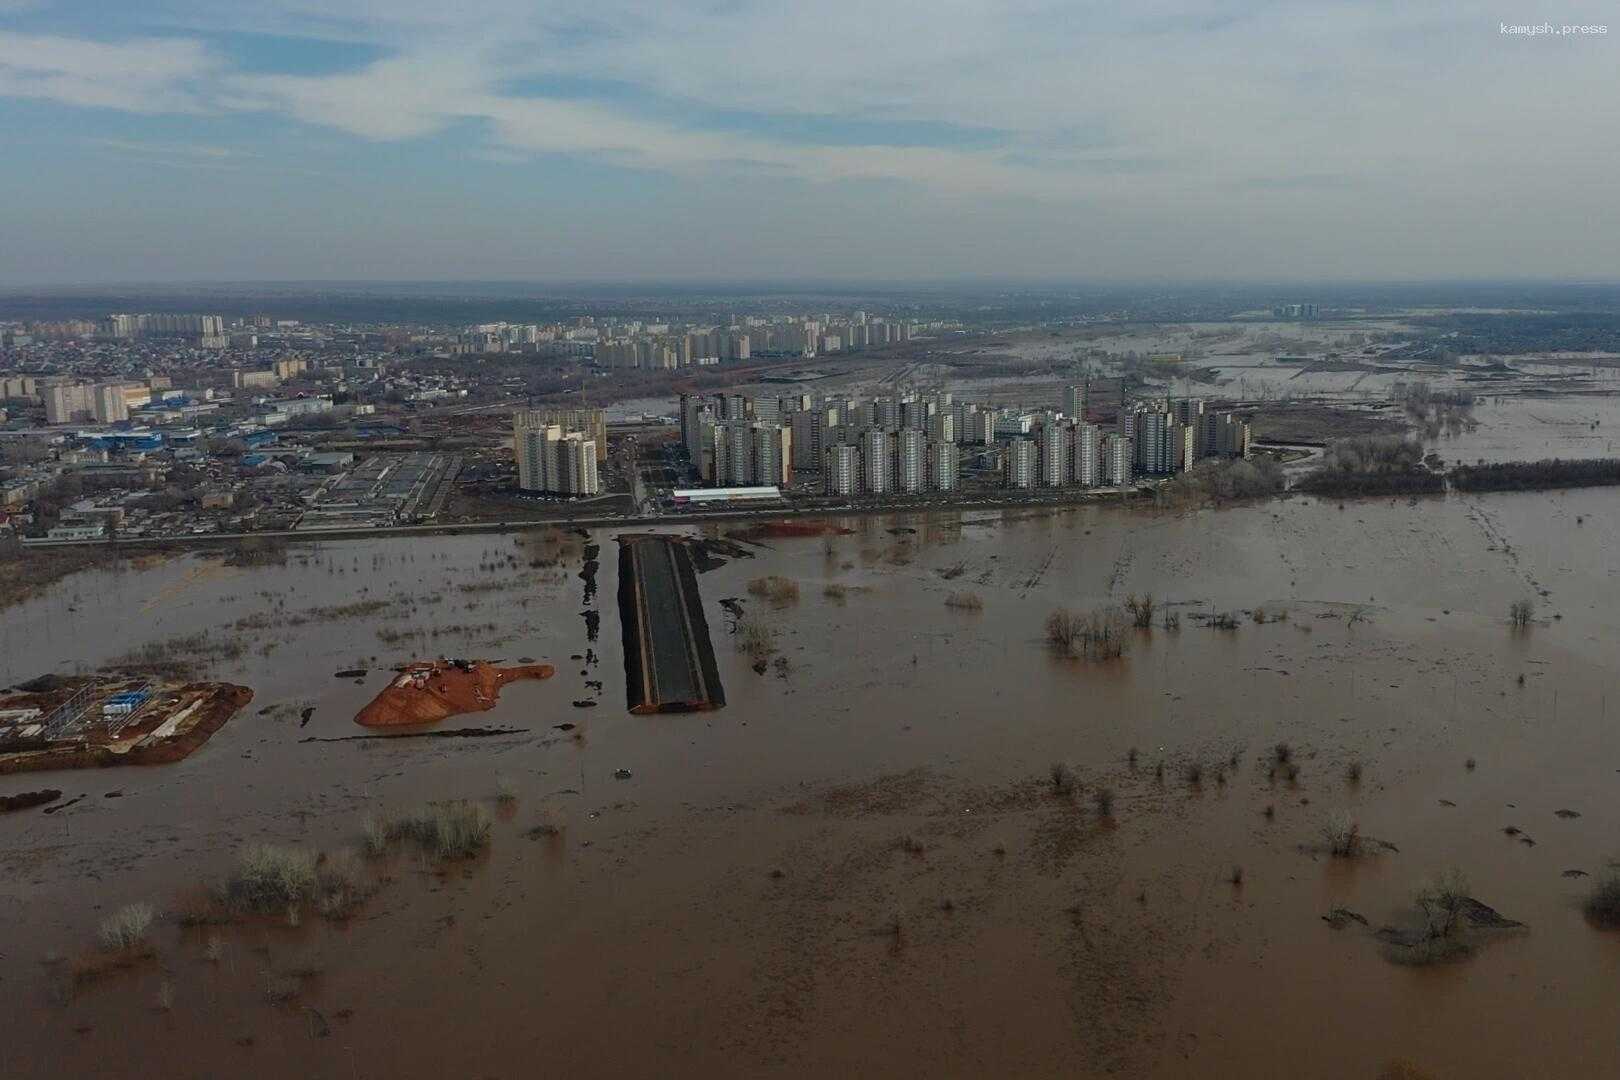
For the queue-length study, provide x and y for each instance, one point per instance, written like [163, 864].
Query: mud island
[428, 691]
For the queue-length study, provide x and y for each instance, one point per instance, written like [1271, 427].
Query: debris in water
[26, 799]
[584, 703]
[452, 733]
[621, 774]
[1340, 917]
[351, 673]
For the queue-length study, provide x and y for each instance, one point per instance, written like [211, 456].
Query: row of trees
[1532, 475]
[1223, 481]
[1373, 465]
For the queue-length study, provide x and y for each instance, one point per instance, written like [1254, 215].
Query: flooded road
[860, 864]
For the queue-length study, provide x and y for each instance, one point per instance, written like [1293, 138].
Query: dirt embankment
[430, 691]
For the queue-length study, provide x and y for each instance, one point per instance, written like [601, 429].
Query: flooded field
[865, 863]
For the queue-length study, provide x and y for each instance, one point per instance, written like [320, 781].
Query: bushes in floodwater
[452, 829]
[967, 601]
[126, 928]
[776, 589]
[756, 640]
[1521, 612]
[269, 879]
[1343, 836]
[1095, 635]
[180, 657]
[1603, 903]
[1141, 609]
[1063, 781]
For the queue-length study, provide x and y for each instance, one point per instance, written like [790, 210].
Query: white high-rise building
[1022, 463]
[576, 465]
[67, 402]
[1087, 455]
[773, 455]
[911, 461]
[552, 460]
[734, 454]
[943, 465]
[108, 403]
[981, 428]
[1116, 461]
[809, 427]
[841, 470]
[1155, 450]
[1074, 402]
[1057, 454]
[877, 467]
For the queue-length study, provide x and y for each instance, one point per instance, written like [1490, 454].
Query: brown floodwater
[857, 867]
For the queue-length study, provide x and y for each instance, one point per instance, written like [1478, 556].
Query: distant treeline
[1531, 475]
[1420, 482]
[1586, 331]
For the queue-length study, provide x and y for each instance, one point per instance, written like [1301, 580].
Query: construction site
[66, 722]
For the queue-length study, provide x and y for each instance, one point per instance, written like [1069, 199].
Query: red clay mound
[431, 690]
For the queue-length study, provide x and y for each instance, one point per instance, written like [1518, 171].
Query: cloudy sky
[795, 139]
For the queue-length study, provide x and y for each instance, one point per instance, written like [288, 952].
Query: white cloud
[1158, 107]
[147, 75]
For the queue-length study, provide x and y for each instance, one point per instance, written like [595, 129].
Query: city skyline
[171, 140]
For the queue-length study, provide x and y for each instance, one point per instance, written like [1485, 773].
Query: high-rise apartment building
[911, 461]
[1057, 454]
[553, 460]
[1087, 455]
[877, 465]
[733, 454]
[981, 428]
[1188, 411]
[943, 465]
[1074, 402]
[109, 404]
[1117, 456]
[593, 422]
[68, 402]
[773, 455]
[841, 470]
[1023, 460]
